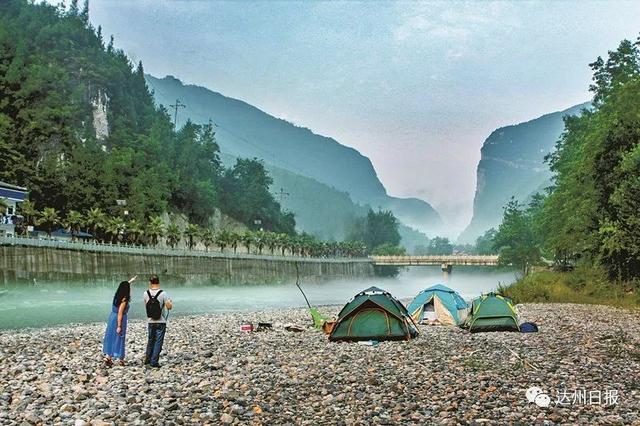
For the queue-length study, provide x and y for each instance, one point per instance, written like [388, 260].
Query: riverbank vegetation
[585, 284]
[588, 220]
[79, 129]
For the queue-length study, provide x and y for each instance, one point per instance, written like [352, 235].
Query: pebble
[213, 373]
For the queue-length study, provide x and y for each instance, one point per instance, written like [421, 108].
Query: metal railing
[435, 260]
[164, 251]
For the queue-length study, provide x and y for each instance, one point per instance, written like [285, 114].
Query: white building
[11, 195]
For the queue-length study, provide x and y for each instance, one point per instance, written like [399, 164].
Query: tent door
[429, 312]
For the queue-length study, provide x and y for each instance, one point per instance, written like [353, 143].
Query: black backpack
[154, 310]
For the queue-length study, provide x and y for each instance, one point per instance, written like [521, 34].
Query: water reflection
[42, 304]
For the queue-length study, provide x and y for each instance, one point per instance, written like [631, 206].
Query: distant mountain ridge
[512, 164]
[243, 130]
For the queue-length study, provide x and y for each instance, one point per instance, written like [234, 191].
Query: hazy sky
[416, 87]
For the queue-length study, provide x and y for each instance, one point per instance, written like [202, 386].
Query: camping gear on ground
[439, 303]
[264, 326]
[528, 327]
[373, 314]
[327, 326]
[368, 342]
[318, 318]
[294, 328]
[492, 312]
[246, 327]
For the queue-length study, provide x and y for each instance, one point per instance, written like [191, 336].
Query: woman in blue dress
[114, 337]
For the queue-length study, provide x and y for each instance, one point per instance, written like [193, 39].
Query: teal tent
[373, 314]
[447, 305]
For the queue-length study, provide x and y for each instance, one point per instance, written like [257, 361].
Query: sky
[415, 86]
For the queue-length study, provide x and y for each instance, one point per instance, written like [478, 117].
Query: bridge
[435, 260]
[446, 262]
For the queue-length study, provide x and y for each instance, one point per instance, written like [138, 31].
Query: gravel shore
[213, 373]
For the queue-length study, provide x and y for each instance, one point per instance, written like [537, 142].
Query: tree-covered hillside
[245, 131]
[79, 129]
[512, 165]
[591, 215]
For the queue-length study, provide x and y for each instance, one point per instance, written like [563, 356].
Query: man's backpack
[154, 309]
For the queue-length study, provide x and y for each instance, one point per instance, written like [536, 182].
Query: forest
[589, 217]
[55, 72]
[80, 130]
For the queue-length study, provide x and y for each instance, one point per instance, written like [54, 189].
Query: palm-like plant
[95, 220]
[134, 231]
[191, 231]
[207, 237]
[234, 240]
[173, 235]
[247, 240]
[115, 228]
[155, 230]
[260, 240]
[3, 206]
[73, 223]
[223, 239]
[282, 242]
[271, 240]
[28, 210]
[49, 220]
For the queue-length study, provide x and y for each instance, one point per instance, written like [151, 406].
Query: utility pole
[175, 106]
[282, 194]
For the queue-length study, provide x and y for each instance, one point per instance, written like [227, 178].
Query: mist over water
[45, 304]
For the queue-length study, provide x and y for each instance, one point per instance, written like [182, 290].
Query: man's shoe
[154, 365]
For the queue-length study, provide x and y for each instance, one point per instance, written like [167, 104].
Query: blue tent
[447, 305]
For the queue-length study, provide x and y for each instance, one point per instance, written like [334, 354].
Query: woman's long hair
[123, 292]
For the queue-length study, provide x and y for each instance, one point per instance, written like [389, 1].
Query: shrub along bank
[585, 284]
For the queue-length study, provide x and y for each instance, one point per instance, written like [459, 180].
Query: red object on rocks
[246, 327]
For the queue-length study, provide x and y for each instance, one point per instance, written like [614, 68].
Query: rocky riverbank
[213, 373]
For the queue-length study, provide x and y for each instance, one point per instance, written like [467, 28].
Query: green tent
[492, 312]
[373, 314]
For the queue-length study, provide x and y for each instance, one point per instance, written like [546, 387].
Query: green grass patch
[585, 284]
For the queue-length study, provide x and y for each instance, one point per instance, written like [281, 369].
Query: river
[45, 304]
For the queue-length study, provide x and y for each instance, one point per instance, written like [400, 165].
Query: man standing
[158, 305]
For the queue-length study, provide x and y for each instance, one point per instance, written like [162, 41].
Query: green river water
[51, 303]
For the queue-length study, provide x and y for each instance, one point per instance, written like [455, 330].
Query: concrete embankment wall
[26, 264]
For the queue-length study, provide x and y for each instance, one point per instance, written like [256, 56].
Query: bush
[586, 284]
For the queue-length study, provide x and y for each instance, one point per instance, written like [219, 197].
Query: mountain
[243, 130]
[512, 164]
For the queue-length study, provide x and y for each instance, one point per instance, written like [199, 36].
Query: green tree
[246, 197]
[376, 229]
[155, 230]
[484, 243]
[207, 237]
[234, 239]
[440, 246]
[135, 231]
[173, 234]
[115, 228]
[191, 232]
[515, 239]
[223, 239]
[29, 212]
[49, 220]
[248, 239]
[96, 221]
[73, 223]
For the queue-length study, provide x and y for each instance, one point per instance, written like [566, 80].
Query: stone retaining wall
[26, 264]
